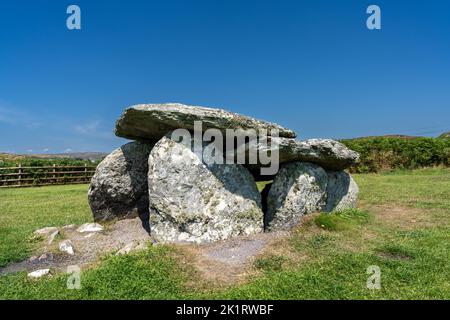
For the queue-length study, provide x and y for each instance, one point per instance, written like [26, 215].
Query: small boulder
[119, 186]
[191, 201]
[38, 273]
[131, 246]
[90, 235]
[45, 231]
[90, 227]
[45, 257]
[67, 247]
[52, 237]
[127, 248]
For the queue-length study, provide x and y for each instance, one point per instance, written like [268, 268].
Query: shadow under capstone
[139, 185]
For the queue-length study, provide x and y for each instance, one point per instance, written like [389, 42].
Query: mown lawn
[401, 227]
[24, 210]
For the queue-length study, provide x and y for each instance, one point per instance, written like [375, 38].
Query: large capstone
[299, 188]
[191, 201]
[153, 121]
[342, 191]
[119, 186]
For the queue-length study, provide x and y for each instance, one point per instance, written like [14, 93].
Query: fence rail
[21, 176]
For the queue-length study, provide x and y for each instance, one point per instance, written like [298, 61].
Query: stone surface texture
[299, 188]
[153, 121]
[194, 202]
[119, 187]
[327, 153]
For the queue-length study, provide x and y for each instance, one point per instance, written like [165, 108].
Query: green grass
[153, 274]
[261, 184]
[325, 258]
[270, 263]
[24, 210]
[341, 220]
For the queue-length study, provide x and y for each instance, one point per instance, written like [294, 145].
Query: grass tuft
[341, 220]
[270, 264]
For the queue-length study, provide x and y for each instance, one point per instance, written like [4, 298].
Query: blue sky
[311, 65]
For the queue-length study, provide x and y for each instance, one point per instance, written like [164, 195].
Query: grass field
[402, 226]
[24, 210]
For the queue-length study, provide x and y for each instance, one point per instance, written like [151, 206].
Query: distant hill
[92, 156]
[445, 135]
[400, 136]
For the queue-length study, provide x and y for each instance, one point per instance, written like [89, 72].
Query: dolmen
[191, 174]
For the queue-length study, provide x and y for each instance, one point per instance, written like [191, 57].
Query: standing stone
[119, 186]
[299, 188]
[191, 201]
[342, 191]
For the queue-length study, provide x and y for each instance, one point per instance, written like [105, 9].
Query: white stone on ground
[67, 247]
[45, 231]
[90, 227]
[52, 237]
[39, 273]
[90, 235]
[46, 257]
[127, 248]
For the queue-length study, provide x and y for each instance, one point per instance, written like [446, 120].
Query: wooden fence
[15, 177]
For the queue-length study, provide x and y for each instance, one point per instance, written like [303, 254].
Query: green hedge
[35, 162]
[389, 153]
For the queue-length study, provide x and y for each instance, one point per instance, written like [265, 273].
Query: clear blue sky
[311, 65]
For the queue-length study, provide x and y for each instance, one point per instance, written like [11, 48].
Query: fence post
[54, 173]
[20, 174]
[85, 172]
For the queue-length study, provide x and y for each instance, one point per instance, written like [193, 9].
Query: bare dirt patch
[88, 246]
[401, 217]
[230, 261]
[392, 256]
[222, 262]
